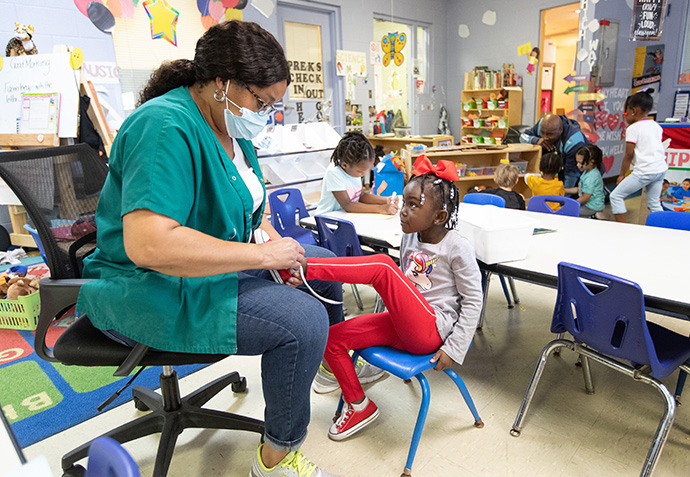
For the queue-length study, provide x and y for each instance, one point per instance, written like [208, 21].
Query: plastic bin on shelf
[521, 165]
[498, 235]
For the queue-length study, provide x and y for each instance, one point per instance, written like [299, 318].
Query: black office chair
[59, 188]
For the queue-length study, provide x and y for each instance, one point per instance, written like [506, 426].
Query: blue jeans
[570, 181]
[632, 184]
[289, 328]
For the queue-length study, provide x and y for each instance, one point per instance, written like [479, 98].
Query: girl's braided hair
[353, 148]
[445, 193]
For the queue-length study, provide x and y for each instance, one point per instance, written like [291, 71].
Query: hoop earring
[219, 95]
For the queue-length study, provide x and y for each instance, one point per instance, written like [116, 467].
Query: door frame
[334, 31]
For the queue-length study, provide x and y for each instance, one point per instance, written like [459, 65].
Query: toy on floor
[22, 42]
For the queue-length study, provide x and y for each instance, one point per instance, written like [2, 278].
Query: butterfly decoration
[392, 45]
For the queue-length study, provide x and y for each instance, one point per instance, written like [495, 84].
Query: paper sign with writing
[648, 19]
[524, 49]
[38, 74]
[353, 61]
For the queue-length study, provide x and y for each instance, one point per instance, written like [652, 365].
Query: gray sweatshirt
[451, 285]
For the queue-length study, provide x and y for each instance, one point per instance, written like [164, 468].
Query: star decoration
[163, 19]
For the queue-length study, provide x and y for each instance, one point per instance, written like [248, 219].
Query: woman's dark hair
[445, 194]
[591, 154]
[353, 148]
[233, 50]
[536, 50]
[642, 100]
[550, 163]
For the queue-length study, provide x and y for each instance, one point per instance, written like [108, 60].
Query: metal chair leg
[379, 306]
[529, 394]
[357, 297]
[589, 385]
[513, 289]
[419, 425]
[465, 395]
[682, 376]
[505, 290]
[486, 279]
[560, 336]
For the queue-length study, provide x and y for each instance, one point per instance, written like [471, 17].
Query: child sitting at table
[665, 195]
[682, 192]
[342, 183]
[506, 177]
[591, 187]
[547, 183]
[433, 304]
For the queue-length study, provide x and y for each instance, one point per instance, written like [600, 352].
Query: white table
[650, 256]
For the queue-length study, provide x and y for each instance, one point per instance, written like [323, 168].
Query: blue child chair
[406, 365]
[539, 203]
[340, 237]
[606, 317]
[286, 205]
[669, 219]
[679, 221]
[107, 458]
[480, 198]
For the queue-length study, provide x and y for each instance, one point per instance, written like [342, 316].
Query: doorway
[558, 44]
[309, 34]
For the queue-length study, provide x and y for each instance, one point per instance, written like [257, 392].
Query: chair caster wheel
[479, 424]
[239, 386]
[74, 471]
[510, 307]
[140, 405]
[515, 432]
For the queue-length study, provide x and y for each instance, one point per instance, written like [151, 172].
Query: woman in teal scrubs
[175, 263]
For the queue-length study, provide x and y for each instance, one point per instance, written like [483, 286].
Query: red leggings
[409, 324]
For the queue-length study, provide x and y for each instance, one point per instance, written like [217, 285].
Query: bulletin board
[39, 74]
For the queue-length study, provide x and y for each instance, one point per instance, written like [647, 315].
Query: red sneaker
[352, 421]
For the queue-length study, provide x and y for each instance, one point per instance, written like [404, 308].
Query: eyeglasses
[265, 107]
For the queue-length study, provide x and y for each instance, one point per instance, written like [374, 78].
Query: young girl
[342, 183]
[644, 147]
[591, 189]
[433, 303]
[547, 183]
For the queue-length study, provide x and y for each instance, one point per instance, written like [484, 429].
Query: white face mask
[246, 126]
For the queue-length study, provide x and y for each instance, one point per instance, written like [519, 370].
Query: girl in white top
[342, 183]
[644, 149]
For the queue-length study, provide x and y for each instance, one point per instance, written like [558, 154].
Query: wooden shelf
[29, 140]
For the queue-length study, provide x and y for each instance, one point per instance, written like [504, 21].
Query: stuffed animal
[21, 43]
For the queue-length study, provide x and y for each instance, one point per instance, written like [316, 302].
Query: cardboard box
[498, 235]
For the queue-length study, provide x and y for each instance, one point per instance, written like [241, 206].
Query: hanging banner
[350, 62]
[648, 19]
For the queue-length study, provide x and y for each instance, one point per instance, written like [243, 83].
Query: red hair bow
[443, 169]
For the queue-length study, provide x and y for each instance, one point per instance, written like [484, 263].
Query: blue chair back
[539, 203]
[108, 458]
[286, 205]
[484, 199]
[669, 219]
[607, 313]
[338, 235]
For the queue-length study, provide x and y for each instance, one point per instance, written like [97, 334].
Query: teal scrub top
[167, 159]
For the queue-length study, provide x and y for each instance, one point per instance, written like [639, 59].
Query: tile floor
[567, 433]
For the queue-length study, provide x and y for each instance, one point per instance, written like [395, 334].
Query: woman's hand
[442, 360]
[281, 254]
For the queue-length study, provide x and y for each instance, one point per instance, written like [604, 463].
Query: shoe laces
[301, 464]
[342, 420]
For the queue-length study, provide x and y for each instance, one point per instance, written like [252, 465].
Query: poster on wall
[677, 142]
[647, 70]
[352, 62]
[648, 19]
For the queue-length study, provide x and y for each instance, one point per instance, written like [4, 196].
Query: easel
[95, 113]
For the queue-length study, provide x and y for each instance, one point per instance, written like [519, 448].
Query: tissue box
[498, 235]
[388, 179]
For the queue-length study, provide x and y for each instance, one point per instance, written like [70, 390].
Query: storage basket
[20, 314]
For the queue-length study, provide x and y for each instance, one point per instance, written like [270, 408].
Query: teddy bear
[18, 286]
[21, 43]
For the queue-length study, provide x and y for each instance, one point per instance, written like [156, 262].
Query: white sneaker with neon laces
[294, 464]
[325, 382]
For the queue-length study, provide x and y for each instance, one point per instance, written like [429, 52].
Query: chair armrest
[57, 296]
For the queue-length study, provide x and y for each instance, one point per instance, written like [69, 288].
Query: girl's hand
[390, 207]
[296, 279]
[442, 360]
